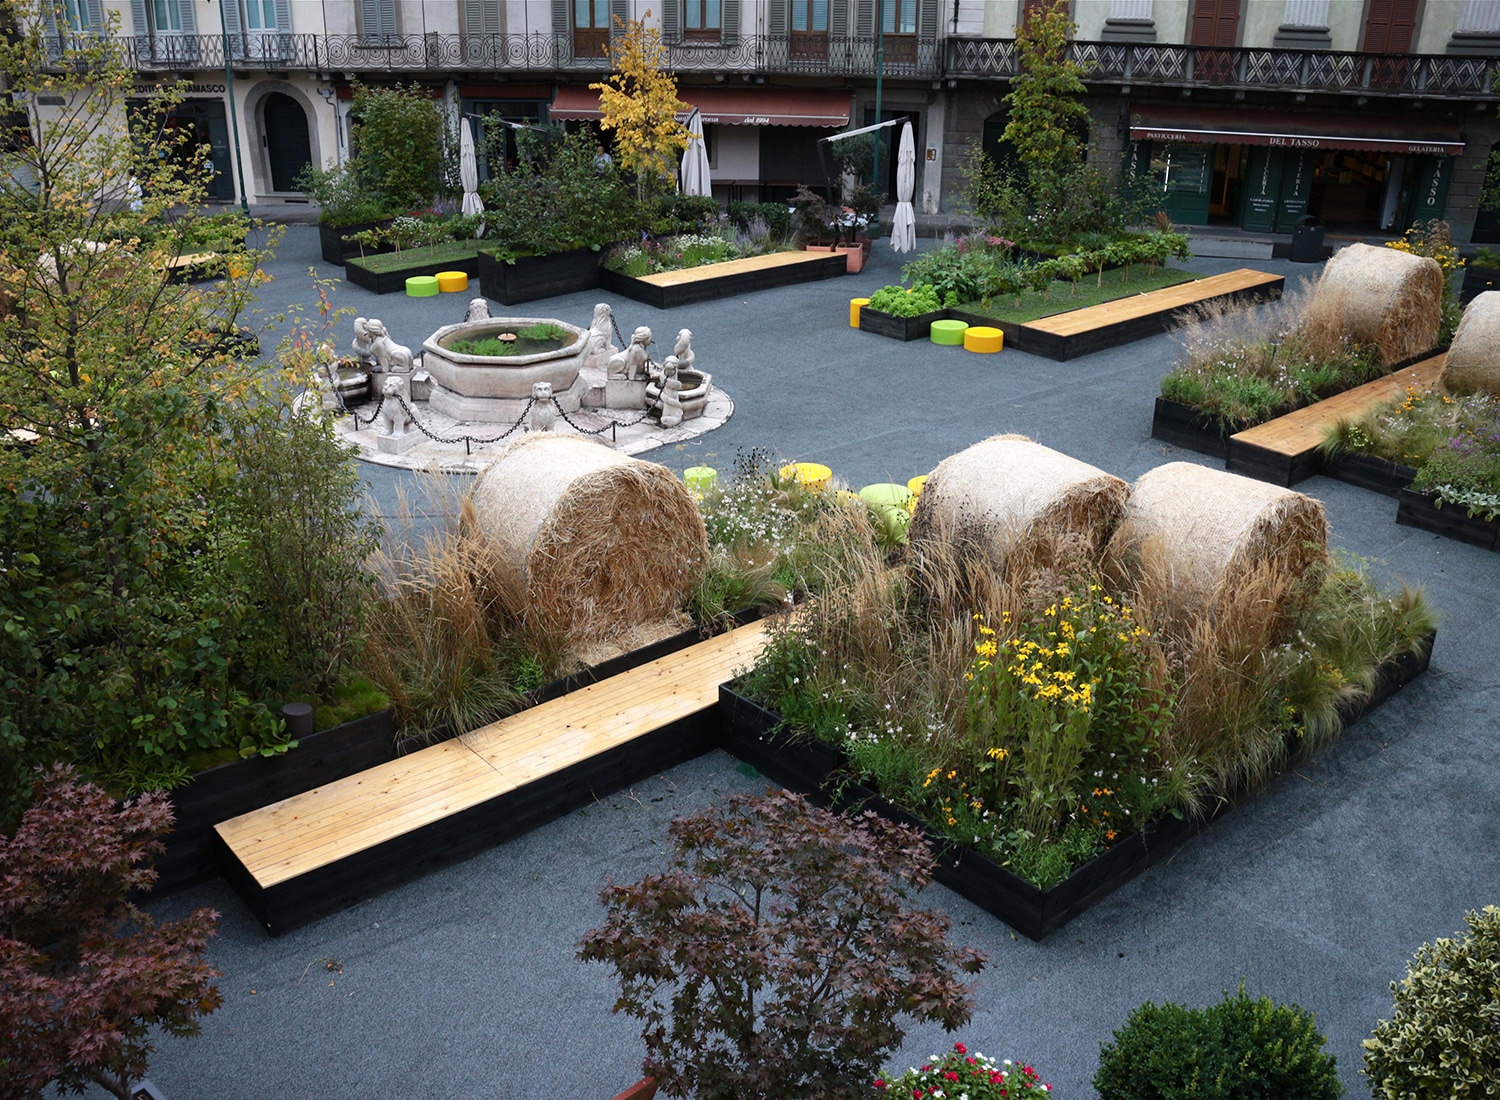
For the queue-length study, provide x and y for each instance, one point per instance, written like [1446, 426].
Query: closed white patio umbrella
[468, 172]
[904, 227]
[694, 175]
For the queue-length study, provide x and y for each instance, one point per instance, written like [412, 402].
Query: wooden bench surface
[329, 823]
[1142, 305]
[191, 259]
[733, 267]
[1306, 428]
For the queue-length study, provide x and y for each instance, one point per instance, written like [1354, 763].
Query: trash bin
[1307, 241]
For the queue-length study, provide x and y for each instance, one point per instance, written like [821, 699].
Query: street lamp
[234, 118]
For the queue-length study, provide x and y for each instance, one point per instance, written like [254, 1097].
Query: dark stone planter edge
[1417, 510]
[389, 282]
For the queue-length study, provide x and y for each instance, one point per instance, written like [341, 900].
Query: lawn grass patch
[1064, 297]
[427, 256]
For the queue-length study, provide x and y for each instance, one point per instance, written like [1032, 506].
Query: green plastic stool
[422, 286]
[949, 333]
[700, 479]
[887, 502]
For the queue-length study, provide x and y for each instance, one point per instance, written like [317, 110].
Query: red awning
[1294, 130]
[730, 106]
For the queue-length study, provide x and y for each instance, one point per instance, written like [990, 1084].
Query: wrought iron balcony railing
[822, 55]
[1164, 64]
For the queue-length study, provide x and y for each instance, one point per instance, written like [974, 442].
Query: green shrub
[776, 215]
[899, 301]
[557, 198]
[1239, 1049]
[398, 140]
[1443, 1039]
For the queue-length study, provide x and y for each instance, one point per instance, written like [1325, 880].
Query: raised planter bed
[900, 328]
[1418, 510]
[1368, 472]
[337, 251]
[725, 280]
[1477, 280]
[242, 785]
[1190, 428]
[390, 282]
[529, 278]
[1031, 911]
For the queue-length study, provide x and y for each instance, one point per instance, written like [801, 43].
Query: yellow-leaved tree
[639, 103]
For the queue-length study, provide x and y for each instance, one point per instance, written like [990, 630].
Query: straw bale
[1208, 528]
[1383, 297]
[604, 546]
[1473, 364]
[1007, 493]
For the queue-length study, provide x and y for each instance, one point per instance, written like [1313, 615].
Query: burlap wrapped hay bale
[1202, 531]
[1473, 364]
[1007, 493]
[1383, 297]
[599, 547]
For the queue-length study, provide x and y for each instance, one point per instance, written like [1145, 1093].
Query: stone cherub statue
[671, 389]
[601, 345]
[391, 357]
[684, 349]
[632, 364]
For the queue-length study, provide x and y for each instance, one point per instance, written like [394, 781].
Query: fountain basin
[694, 394]
[497, 387]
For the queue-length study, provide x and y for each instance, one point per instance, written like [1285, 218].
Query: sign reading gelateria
[190, 89]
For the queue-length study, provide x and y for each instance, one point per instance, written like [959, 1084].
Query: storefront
[1265, 170]
[761, 142]
[197, 120]
[490, 107]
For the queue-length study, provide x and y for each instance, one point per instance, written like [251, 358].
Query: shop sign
[190, 89]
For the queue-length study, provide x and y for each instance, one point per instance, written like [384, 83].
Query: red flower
[960, 1048]
[950, 1075]
[879, 1084]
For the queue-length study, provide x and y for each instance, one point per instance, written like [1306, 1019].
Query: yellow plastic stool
[700, 479]
[855, 305]
[915, 485]
[451, 282]
[421, 286]
[982, 338]
[810, 475]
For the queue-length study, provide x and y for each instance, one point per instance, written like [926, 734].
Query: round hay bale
[1203, 530]
[596, 544]
[1473, 364]
[1008, 494]
[1383, 297]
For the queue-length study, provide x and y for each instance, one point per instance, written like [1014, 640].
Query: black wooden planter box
[1264, 464]
[337, 251]
[240, 786]
[528, 278]
[1368, 472]
[1477, 280]
[899, 328]
[713, 287]
[389, 282]
[1031, 911]
[1191, 428]
[1418, 510]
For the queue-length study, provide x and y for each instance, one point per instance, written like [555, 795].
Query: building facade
[1365, 113]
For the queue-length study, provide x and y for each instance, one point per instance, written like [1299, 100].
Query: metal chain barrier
[466, 440]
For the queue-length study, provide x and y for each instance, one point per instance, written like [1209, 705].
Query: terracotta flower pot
[854, 257]
[643, 1089]
[817, 248]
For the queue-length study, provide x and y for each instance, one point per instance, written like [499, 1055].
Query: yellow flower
[997, 753]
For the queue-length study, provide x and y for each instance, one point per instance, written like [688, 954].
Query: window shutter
[927, 19]
[481, 17]
[619, 16]
[671, 20]
[233, 29]
[49, 19]
[1390, 26]
[561, 22]
[1216, 23]
[189, 17]
[283, 15]
[776, 18]
[864, 19]
[731, 19]
[187, 45]
[282, 46]
[96, 16]
[838, 18]
[140, 25]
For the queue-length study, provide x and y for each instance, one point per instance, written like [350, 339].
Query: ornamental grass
[1043, 710]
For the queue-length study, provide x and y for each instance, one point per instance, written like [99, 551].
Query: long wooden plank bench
[1078, 332]
[319, 852]
[1285, 450]
[726, 279]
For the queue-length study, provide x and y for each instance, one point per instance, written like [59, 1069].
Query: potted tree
[813, 220]
[776, 954]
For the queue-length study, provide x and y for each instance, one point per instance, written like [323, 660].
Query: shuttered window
[481, 17]
[377, 19]
[1216, 23]
[1390, 26]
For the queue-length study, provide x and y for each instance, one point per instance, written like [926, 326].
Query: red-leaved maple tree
[85, 975]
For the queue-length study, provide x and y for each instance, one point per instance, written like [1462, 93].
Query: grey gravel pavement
[464, 984]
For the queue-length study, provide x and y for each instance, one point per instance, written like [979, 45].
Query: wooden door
[1216, 23]
[1390, 25]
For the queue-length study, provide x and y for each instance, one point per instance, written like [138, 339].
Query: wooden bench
[1285, 450]
[319, 852]
[1081, 331]
[726, 279]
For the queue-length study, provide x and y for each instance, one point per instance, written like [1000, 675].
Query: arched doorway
[288, 147]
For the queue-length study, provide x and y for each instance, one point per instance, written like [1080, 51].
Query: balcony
[905, 56]
[1247, 69]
